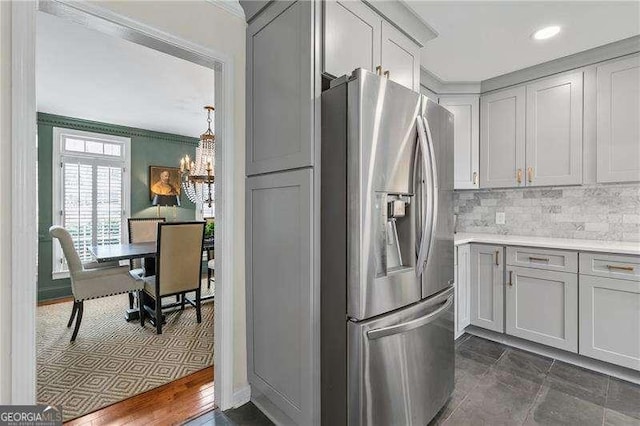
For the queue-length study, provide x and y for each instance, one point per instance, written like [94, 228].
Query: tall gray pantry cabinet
[282, 286]
[294, 49]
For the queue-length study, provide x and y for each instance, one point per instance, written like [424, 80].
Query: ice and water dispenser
[395, 233]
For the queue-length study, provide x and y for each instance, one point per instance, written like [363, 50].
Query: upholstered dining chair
[141, 230]
[90, 281]
[211, 263]
[178, 269]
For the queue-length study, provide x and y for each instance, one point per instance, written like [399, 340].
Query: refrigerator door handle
[427, 218]
[434, 181]
[410, 325]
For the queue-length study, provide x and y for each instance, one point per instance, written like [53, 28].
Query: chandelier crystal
[198, 176]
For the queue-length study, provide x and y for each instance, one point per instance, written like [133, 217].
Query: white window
[90, 190]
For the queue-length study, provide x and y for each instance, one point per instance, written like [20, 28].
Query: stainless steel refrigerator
[387, 252]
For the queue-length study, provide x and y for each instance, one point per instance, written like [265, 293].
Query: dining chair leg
[73, 313]
[158, 316]
[208, 278]
[198, 305]
[78, 320]
[130, 300]
[141, 308]
[182, 298]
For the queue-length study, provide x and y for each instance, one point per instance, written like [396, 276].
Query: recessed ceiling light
[546, 32]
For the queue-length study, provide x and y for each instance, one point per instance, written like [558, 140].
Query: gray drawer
[610, 266]
[551, 260]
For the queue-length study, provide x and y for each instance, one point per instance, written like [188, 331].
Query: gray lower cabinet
[542, 306]
[280, 88]
[610, 320]
[618, 132]
[351, 37]
[281, 313]
[554, 131]
[486, 274]
[502, 138]
[462, 279]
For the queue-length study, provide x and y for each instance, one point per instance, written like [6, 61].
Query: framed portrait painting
[164, 182]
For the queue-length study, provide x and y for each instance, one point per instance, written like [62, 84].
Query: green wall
[147, 149]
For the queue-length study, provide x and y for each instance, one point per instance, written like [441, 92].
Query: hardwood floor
[170, 404]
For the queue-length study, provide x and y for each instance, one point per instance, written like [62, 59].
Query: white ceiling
[85, 74]
[478, 40]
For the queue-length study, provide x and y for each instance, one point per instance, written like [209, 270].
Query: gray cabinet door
[502, 138]
[554, 131]
[463, 283]
[351, 37]
[542, 306]
[486, 276]
[280, 89]
[400, 57]
[610, 320]
[466, 136]
[281, 315]
[618, 127]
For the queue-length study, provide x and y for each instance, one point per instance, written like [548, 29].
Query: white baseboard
[242, 396]
[568, 357]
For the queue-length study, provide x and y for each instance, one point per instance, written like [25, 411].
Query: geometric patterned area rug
[112, 359]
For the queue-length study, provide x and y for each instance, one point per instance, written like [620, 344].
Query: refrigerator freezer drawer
[401, 365]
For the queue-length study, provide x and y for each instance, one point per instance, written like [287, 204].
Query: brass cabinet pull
[621, 268]
[530, 174]
[387, 74]
[540, 259]
[379, 70]
[519, 176]
[497, 260]
[510, 278]
[475, 178]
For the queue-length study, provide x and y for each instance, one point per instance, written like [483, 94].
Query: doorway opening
[221, 67]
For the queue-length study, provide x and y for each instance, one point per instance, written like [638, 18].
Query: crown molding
[433, 83]
[231, 6]
[401, 16]
[585, 58]
[113, 129]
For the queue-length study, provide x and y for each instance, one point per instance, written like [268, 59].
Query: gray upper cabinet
[351, 37]
[542, 306]
[279, 275]
[618, 126]
[355, 36]
[554, 131]
[486, 275]
[466, 136]
[280, 88]
[400, 57]
[502, 138]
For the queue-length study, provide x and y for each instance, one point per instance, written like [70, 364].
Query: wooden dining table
[145, 251]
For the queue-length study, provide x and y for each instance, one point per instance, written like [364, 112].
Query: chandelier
[197, 176]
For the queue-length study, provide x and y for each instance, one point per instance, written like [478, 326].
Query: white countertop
[617, 247]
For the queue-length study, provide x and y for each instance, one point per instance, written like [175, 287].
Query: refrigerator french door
[386, 253]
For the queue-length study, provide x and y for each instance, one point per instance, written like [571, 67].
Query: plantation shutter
[93, 192]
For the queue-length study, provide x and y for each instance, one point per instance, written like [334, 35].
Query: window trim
[56, 182]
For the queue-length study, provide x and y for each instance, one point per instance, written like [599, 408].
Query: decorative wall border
[111, 128]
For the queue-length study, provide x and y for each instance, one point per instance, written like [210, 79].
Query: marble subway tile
[603, 212]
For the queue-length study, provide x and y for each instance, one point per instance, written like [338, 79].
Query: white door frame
[24, 186]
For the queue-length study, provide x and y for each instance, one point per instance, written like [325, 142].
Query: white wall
[199, 22]
[5, 208]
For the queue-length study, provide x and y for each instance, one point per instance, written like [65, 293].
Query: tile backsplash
[597, 212]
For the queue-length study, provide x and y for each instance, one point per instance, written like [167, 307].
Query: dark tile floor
[247, 415]
[498, 385]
